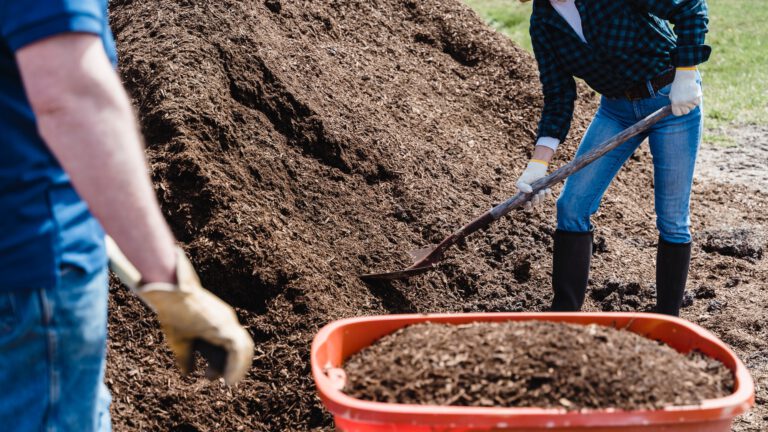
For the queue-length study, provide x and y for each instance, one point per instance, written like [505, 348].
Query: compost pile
[295, 145]
[531, 364]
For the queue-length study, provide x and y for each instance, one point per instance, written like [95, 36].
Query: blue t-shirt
[43, 222]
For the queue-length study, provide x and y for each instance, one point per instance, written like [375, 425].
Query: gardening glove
[535, 170]
[192, 318]
[685, 93]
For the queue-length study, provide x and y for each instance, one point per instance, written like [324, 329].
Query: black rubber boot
[570, 270]
[672, 261]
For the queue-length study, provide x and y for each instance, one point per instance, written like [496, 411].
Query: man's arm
[86, 119]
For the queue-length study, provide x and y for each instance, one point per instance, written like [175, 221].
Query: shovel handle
[215, 355]
[555, 177]
[580, 162]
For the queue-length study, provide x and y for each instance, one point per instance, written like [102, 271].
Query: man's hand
[535, 170]
[685, 94]
[188, 313]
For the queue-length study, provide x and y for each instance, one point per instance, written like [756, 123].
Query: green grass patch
[735, 77]
[719, 138]
[507, 16]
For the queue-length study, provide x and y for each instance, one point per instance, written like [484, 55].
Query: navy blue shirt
[628, 43]
[43, 222]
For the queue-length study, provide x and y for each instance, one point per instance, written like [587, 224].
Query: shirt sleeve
[690, 19]
[559, 89]
[549, 142]
[23, 22]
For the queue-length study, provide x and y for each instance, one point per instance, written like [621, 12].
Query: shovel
[425, 259]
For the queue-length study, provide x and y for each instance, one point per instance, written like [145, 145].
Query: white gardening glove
[191, 318]
[685, 93]
[535, 170]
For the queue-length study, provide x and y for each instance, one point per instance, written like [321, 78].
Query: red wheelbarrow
[340, 339]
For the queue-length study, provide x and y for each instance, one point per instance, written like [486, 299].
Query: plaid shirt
[628, 43]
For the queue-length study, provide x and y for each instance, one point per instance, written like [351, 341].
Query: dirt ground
[295, 145]
[742, 158]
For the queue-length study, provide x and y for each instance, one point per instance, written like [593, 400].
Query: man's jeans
[52, 356]
[674, 143]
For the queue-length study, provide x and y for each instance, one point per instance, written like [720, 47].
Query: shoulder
[538, 14]
[24, 22]
[539, 8]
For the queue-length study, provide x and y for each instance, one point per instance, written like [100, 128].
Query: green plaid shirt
[628, 43]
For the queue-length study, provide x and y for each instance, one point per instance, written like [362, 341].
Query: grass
[736, 75]
[507, 16]
[719, 138]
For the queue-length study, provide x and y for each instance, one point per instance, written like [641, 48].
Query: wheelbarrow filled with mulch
[528, 372]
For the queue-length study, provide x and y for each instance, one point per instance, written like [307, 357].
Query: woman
[628, 52]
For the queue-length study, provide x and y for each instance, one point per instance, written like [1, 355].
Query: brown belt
[641, 91]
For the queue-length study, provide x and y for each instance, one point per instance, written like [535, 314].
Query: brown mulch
[531, 364]
[295, 145]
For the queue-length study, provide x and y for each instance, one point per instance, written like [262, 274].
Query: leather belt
[641, 91]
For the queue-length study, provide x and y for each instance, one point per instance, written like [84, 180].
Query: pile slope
[297, 144]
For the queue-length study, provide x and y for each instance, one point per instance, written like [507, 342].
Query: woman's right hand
[535, 170]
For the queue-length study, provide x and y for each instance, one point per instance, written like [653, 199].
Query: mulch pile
[531, 364]
[297, 144]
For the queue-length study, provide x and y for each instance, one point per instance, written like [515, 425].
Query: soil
[295, 145]
[532, 364]
[740, 242]
[738, 155]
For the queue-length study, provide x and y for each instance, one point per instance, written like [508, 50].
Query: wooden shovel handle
[580, 162]
[555, 177]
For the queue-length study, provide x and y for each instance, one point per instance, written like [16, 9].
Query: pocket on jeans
[7, 313]
[69, 270]
[72, 277]
[664, 91]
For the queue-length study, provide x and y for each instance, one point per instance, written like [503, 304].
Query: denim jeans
[52, 356]
[674, 143]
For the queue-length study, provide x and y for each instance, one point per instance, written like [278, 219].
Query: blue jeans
[674, 143]
[52, 356]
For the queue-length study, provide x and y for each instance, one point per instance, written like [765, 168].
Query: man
[68, 137]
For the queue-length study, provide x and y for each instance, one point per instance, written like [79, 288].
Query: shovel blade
[419, 254]
[398, 274]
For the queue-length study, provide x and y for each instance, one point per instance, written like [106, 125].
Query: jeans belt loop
[640, 92]
[649, 85]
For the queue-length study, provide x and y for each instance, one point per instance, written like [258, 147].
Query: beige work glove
[685, 93]
[535, 170]
[191, 318]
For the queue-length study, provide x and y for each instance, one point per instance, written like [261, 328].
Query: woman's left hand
[685, 94]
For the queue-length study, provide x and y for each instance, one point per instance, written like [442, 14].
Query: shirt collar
[543, 10]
